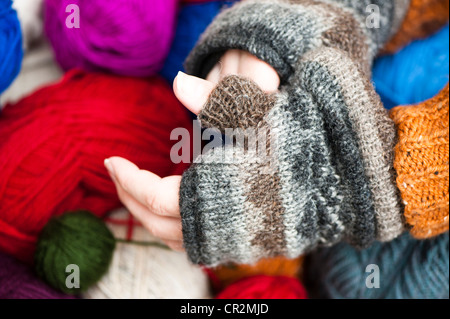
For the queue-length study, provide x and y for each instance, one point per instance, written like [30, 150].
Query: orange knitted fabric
[423, 19]
[421, 162]
[279, 266]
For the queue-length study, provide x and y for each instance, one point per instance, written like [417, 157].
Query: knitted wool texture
[424, 17]
[409, 269]
[330, 173]
[421, 160]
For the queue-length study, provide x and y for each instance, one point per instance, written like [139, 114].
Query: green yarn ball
[74, 251]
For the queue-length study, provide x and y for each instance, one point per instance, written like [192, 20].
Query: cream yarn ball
[147, 272]
[30, 15]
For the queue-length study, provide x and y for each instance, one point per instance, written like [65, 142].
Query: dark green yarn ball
[76, 238]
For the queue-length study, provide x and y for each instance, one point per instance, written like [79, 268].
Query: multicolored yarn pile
[53, 143]
[11, 52]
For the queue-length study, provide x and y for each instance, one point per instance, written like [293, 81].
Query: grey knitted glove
[330, 173]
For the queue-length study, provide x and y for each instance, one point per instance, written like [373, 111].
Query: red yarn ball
[265, 287]
[54, 142]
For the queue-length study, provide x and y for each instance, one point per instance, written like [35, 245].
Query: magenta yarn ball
[125, 37]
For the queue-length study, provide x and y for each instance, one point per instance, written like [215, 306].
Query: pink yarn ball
[131, 37]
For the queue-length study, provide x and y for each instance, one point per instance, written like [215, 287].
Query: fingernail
[189, 85]
[109, 167]
[182, 82]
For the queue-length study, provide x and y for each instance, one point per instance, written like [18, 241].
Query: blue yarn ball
[193, 19]
[416, 73]
[409, 269]
[11, 52]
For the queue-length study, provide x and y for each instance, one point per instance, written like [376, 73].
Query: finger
[175, 245]
[259, 71]
[214, 76]
[165, 228]
[159, 195]
[193, 92]
[230, 63]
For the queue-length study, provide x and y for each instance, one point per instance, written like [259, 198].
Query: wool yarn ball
[408, 269]
[122, 37]
[53, 144]
[414, 74]
[193, 19]
[11, 52]
[142, 269]
[75, 238]
[31, 20]
[225, 275]
[17, 281]
[265, 287]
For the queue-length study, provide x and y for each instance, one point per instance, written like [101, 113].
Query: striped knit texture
[422, 163]
[329, 175]
[409, 269]
[424, 17]
[281, 32]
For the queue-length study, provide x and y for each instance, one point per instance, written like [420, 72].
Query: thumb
[193, 92]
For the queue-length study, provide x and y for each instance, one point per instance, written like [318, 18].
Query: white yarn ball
[146, 272]
[31, 19]
[38, 70]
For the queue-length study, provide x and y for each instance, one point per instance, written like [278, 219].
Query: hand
[154, 200]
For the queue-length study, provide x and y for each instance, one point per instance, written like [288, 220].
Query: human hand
[154, 201]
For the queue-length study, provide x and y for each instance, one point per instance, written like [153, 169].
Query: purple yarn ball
[17, 281]
[125, 37]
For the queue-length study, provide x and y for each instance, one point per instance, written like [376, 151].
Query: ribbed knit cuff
[422, 164]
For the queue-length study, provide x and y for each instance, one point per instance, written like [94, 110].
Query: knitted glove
[421, 160]
[329, 172]
[328, 176]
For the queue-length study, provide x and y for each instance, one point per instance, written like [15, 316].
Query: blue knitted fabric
[409, 269]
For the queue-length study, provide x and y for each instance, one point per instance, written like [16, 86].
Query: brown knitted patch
[422, 164]
[264, 194]
[424, 17]
[236, 102]
[345, 33]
